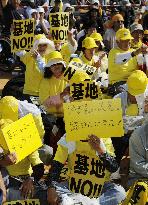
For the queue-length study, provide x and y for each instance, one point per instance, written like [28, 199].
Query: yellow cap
[39, 36]
[77, 60]
[96, 36]
[9, 108]
[117, 17]
[89, 43]
[54, 58]
[79, 76]
[146, 32]
[137, 83]
[55, 55]
[123, 34]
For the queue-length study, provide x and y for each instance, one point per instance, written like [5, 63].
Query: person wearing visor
[117, 22]
[122, 60]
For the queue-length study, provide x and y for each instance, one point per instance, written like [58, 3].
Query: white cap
[31, 11]
[135, 27]
[95, 2]
[67, 5]
[40, 10]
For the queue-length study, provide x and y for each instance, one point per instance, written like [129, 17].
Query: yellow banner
[59, 24]
[88, 173]
[21, 137]
[24, 202]
[22, 36]
[100, 117]
[74, 66]
[86, 90]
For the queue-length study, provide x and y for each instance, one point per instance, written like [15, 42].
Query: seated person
[122, 61]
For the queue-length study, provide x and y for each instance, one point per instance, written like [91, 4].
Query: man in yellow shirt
[122, 61]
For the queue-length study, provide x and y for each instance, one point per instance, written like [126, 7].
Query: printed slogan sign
[24, 202]
[88, 174]
[74, 66]
[100, 117]
[21, 137]
[85, 90]
[59, 23]
[23, 35]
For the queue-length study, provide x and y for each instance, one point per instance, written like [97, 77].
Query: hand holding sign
[97, 144]
[9, 159]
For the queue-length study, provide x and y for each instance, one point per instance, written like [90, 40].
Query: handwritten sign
[21, 137]
[24, 202]
[23, 35]
[74, 66]
[100, 117]
[59, 24]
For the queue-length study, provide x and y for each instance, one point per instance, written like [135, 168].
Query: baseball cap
[123, 34]
[137, 83]
[135, 27]
[89, 43]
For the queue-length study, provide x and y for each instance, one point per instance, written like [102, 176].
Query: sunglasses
[120, 21]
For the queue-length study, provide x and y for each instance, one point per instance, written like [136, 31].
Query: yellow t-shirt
[33, 76]
[24, 167]
[120, 72]
[72, 150]
[51, 87]
[88, 62]
[65, 51]
[136, 45]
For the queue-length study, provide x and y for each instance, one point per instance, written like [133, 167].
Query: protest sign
[85, 90]
[24, 202]
[59, 24]
[22, 36]
[74, 66]
[100, 117]
[21, 137]
[88, 173]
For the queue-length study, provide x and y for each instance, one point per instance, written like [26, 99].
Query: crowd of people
[115, 44]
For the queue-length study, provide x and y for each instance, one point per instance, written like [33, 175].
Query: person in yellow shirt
[21, 183]
[53, 84]
[121, 60]
[88, 51]
[33, 75]
[100, 54]
[51, 94]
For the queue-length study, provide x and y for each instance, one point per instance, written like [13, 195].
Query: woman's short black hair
[48, 73]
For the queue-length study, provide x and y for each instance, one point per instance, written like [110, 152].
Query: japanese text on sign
[24, 202]
[59, 23]
[86, 90]
[21, 137]
[88, 175]
[23, 35]
[100, 117]
[74, 66]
